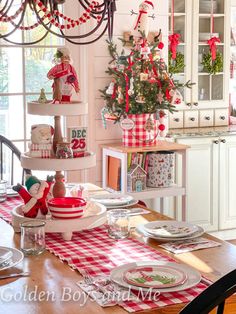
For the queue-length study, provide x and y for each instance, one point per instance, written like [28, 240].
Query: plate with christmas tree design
[154, 276]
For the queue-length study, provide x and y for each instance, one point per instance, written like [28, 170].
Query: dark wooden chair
[213, 297]
[7, 145]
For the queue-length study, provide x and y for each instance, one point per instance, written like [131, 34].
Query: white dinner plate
[170, 228]
[17, 257]
[11, 193]
[193, 276]
[5, 255]
[131, 203]
[112, 199]
[198, 233]
[156, 277]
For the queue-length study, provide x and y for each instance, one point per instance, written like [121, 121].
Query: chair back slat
[14, 152]
[214, 296]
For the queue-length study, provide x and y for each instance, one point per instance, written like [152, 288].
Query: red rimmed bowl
[66, 207]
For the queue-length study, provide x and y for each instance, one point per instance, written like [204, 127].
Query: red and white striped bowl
[66, 207]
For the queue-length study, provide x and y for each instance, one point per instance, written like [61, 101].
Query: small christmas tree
[140, 81]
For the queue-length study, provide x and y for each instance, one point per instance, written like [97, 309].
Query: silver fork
[99, 286]
[22, 274]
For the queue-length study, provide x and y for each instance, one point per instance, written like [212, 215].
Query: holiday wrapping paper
[160, 169]
[143, 133]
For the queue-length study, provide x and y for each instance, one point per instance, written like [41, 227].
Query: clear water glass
[32, 237]
[3, 190]
[118, 223]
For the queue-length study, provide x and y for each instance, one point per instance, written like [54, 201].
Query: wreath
[212, 66]
[176, 65]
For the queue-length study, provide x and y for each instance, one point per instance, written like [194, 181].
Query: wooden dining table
[52, 283]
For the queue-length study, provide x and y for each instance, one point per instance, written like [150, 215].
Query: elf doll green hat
[31, 181]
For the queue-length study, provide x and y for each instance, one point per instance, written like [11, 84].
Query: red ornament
[161, 127]
[160, 45]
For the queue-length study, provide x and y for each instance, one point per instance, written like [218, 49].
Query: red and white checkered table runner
[96, 253]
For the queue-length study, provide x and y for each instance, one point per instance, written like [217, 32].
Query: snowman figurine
[142, 21]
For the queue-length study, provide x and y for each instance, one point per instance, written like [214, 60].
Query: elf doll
[64, 76]
[35, 196]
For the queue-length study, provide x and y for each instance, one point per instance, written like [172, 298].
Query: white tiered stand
[96, 215]
[58, 165]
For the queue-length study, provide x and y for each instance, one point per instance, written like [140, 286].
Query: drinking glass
[3, 190]
[118, 223]
[32, 237]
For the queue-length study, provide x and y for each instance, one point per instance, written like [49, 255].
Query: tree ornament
[143, 76]
[140, 99]
[131, 87]
[110, 89]
[120, 96]
[161, 127]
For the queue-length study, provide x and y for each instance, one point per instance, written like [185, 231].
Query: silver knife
[24, 274]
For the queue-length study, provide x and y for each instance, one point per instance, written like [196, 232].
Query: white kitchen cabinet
[210, 181]
[192, 20]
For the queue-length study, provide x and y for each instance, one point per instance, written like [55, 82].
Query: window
[23, 73]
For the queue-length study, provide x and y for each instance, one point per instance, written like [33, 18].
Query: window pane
[38, 62]
[12, 117]
[10, 64]
[34, 119]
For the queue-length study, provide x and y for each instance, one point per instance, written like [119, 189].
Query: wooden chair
[5, 143]
[213, 297]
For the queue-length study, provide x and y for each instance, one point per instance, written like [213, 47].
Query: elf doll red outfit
[35, 196]
[64, 76]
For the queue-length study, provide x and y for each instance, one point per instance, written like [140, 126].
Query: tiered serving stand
[95, 214]
[58, 165]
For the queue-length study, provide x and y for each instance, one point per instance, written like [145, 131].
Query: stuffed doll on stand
[35, 196]
[64, 76]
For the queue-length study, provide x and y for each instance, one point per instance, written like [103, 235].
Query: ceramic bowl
[66, 207]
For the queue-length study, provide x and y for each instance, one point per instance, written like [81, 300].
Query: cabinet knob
[222, 117]
[188, 104]
[192, 119]
[195, 103]
[216, 141]
[176, 119]
[207, 118]
[223, 141]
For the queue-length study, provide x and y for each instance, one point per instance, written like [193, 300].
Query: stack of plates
[170, 230]
[9, 257]
[116, 200]
[158, 276]
[205, 6]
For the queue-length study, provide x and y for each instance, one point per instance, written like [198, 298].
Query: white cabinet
[210, 182]
[194, 22]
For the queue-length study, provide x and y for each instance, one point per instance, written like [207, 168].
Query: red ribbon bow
[212, 44]
[174, 41]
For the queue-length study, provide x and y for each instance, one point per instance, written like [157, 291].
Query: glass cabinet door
[209, 21]
[180, 68]
[197, 21]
